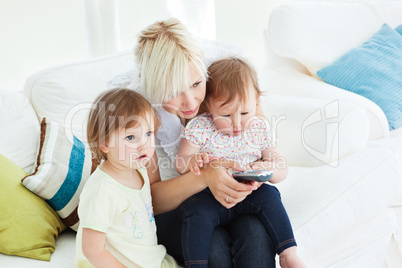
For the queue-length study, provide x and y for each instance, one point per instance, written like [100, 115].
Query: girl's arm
[93, 247]
[185, 155]
[169, 194]
[189, 158]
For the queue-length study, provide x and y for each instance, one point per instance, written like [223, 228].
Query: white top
[126, 216]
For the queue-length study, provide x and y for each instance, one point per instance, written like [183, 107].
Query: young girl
[117, 226]
[231, 130]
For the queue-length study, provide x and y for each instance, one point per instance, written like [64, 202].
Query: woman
[170, 70]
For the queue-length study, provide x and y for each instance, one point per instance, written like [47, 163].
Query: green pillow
[28, 225]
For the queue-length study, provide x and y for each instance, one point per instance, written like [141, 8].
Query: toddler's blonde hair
[229, 78]
[114, 110]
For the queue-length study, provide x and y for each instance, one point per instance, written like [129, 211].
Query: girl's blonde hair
[114, 110]
[164, 53]
[229, 78]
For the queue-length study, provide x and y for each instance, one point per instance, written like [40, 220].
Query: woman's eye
[130, 138]
[196, 84]
[244, 113]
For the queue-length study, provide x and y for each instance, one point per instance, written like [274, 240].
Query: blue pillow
[399, 29]
[373, 70]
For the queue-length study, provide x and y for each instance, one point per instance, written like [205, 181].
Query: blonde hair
[164, 53]
[113, 110]
[229, 78]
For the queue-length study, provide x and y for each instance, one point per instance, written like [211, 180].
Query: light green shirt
[126, 216]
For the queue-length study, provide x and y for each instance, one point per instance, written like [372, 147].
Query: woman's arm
[93, 247]
[169, 194]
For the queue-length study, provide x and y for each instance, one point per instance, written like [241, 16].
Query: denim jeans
[201, 214]
[242, 243]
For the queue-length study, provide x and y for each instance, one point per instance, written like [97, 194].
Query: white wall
[39, 33]
[242, 23]
[36, 34]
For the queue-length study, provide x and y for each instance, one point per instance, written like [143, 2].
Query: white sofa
[343, 193]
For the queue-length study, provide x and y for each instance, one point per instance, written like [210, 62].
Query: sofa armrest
[313, 132]
[290, 82]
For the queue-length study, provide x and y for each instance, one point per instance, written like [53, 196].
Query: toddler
[117, 225]
[232, 131]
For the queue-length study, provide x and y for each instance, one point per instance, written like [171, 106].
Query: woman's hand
[225, 189]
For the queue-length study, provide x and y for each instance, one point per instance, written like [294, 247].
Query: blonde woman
[170, 72]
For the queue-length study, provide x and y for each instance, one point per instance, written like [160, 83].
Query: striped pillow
[62, 168]
[373, 70]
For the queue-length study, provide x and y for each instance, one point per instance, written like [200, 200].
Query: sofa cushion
[19, 128]
[373, 70]
[316, 33]
[313, 132]
[63, 166]
[28, 225]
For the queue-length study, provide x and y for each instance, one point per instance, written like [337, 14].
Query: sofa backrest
[19, 129]
[316, 33]
[64, 93]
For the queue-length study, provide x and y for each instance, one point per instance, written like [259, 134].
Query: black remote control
[253, 175]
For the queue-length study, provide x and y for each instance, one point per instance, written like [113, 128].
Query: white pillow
[312, 132]
[19, 128]
[316, 33]
[64, 93]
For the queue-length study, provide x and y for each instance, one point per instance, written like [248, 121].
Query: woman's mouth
[190, 112]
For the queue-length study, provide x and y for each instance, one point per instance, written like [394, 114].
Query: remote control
[253, 175]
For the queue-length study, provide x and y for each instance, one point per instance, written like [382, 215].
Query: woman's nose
[189, 100]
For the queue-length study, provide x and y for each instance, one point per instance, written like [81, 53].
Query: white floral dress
[245, 148]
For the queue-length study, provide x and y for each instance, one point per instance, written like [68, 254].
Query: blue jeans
[201, 214]
[242, 243]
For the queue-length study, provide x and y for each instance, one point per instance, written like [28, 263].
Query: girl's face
[235, 117]
[132, 148]
[187, 104]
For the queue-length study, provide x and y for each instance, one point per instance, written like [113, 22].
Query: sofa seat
[328, 205]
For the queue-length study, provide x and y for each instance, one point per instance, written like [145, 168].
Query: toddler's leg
[199, 215]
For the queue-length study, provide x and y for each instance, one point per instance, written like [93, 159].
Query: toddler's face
[235, 117]
[132, 147]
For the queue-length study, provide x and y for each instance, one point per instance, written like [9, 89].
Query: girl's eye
[130, 138]
[149, 133]
[226, 115]
[244, 113]
[196, 84]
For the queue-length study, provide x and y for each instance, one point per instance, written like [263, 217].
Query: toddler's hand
[198, 161]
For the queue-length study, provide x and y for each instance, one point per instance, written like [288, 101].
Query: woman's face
[187, 104]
